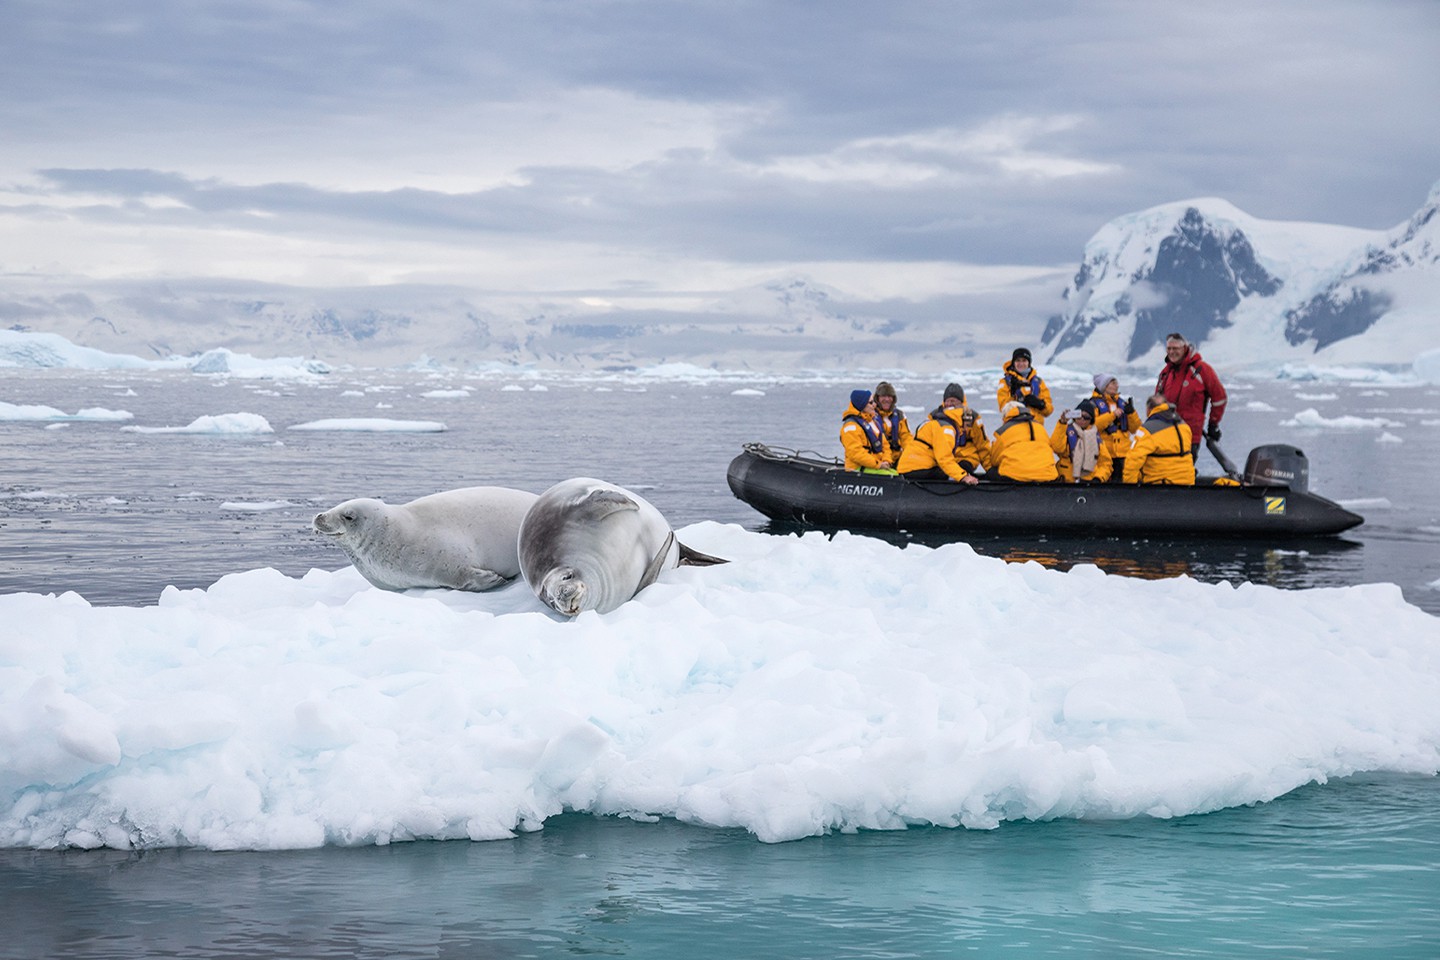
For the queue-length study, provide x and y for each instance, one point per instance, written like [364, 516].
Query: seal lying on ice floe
[590, 545]
[463, 539]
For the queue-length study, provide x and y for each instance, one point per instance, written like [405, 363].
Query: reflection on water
[1312, 562]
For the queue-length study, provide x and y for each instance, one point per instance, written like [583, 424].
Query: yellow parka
[1117, 430]
[1017, 388]
[935, 444]
[860, 435]
[1020, 450]
[896, 430]
[1060, 442]
[1161, 453]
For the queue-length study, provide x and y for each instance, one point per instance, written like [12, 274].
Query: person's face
[1175, 349]
[950, 403]
[1083, 421]
[1112, 389]
[885, 403]
[1022, 366]
[869, 406]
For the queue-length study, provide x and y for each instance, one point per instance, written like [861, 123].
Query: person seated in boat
[860, 435]
[891, 420]
[1116, 419]
[950, 444]
[1020, 449]
[1084, 456]
[1161, 453]
[1019, 383]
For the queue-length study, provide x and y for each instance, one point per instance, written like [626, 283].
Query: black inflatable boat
[1271, 500]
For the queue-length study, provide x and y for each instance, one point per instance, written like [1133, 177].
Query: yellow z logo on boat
[1274, 506]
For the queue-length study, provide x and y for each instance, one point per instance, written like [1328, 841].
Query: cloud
[650, 144]
[1004, 144]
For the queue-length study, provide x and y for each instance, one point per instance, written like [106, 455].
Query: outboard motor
[1278, 465]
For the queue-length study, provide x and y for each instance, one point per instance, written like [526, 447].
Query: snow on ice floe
[747, 392]
[1310, 417]
[224, 423]
[373, 425]
[809, 685]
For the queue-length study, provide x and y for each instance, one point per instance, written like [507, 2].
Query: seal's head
[563, 590]
[344, 519]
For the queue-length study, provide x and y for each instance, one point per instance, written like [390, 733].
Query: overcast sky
[632, 146]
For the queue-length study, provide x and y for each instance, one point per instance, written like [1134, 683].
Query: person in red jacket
[1189, 383]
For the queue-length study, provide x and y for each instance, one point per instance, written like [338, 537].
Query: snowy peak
[1177, 266]
[1247, 289]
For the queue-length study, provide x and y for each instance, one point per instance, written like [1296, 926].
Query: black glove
[1129, 407]
[1213, 433]
[1033, 401]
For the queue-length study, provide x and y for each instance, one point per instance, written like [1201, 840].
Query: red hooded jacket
[1188, 385]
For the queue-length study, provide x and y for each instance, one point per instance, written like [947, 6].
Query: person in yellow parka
[860, 434]
[1161, 453]
[951, 443]
[1020, 383]
[891, 420]
[1020, 449]
[1116, 419]
[1078, 443]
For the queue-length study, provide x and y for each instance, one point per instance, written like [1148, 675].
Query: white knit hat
[1101, 379]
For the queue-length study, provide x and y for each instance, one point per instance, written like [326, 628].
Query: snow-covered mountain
[1251, 291]
[381, 326]
[786, 324]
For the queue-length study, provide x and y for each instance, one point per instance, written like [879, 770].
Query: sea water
[1345, 870]
[117, 515]
[1348, 868]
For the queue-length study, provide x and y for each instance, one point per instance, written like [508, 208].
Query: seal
[464, 539]
[590, 545]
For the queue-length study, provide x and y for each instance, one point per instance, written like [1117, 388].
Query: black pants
[1117, 471]
[929, 473]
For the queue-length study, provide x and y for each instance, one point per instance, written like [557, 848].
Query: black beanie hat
[953, 390]
[1021, 352]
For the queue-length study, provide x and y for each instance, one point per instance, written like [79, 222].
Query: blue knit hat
[858, 399]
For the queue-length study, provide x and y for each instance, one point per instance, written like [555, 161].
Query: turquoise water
[1347, 869]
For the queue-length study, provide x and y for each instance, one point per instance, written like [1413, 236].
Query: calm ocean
[1347, 869]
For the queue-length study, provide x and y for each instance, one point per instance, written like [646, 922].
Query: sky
[633, 148]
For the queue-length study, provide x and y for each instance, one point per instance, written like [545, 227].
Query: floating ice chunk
[224, 423]
[374, 425]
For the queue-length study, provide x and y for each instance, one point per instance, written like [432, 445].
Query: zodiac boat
[1271, 500]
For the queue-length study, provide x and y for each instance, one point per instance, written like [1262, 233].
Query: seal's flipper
[690, 557]
[601, 503]
[657, 563]
[480, 579]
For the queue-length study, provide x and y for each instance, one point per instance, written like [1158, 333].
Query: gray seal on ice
[590, 545]
[464, 539]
